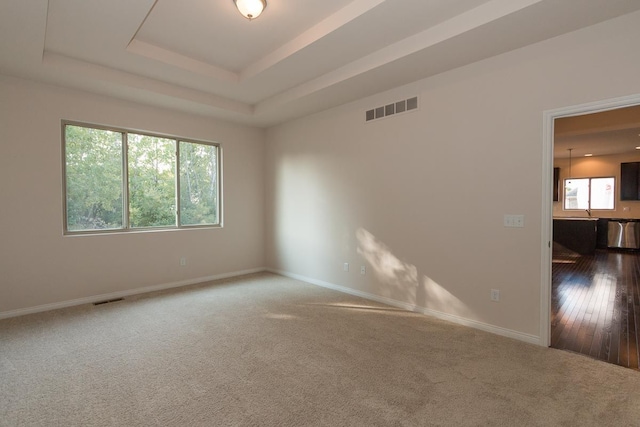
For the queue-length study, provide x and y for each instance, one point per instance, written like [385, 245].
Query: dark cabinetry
[630, 181]
[556, 184]
[602, 240]
[577, 234]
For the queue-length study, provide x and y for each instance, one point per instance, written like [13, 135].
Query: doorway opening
[591, 232]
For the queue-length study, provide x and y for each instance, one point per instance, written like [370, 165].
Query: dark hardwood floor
[595, 306]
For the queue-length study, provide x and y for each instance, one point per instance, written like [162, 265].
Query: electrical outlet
[345, 266]
[495, 295]
[183, 261]
[363, 269]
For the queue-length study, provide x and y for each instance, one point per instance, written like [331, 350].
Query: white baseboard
[122, 294]
[509, 333]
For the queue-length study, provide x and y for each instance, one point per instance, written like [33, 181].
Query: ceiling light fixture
[588, 155]
[250, 9]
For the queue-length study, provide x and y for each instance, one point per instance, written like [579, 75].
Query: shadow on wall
[402, 282]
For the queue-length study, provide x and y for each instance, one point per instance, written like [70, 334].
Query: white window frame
[126, 226]
[590, 178]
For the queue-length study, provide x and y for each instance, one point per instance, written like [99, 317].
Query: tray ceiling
[298, 57]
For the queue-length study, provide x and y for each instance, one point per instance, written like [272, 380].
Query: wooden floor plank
[595, 304]
[603, 303]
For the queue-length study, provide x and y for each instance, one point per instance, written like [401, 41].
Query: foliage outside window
[589, 193]
[120, 180]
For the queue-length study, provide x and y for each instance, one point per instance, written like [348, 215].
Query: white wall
[419, 198]
[38, 265]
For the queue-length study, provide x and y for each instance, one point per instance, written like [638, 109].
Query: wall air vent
[391, 109]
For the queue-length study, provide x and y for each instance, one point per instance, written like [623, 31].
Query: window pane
[152, 188]
[198, 184]
[576, 193]
[602, 193]
[93, 167]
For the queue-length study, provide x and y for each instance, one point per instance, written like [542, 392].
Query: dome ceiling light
[250, 9]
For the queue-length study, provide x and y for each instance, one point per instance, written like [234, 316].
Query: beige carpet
[264, 350]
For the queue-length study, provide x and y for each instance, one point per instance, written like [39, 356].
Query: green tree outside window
[101, 194]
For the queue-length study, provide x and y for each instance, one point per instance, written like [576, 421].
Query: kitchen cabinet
[576, 234]
[602, 230]
[630, 181]
[556, 184]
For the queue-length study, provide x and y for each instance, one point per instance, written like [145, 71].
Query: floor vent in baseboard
[391, 109]
[108, 301]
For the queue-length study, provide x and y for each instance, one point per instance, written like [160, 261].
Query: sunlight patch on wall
[436, 297]
[301, 210]
[401, 279]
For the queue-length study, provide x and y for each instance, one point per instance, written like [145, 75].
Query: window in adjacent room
[121, 180]
[589, 193]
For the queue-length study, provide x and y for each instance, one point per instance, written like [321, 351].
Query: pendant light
[570, 150]
[250, 9]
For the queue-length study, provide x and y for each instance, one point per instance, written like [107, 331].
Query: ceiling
[297, 58]
[604, 133]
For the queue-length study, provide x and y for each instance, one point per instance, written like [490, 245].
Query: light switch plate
[514, 221]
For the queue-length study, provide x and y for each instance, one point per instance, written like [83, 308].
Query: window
[121, 180]
[589, 193]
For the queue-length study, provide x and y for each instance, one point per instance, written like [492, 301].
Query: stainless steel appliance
[624, 233]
